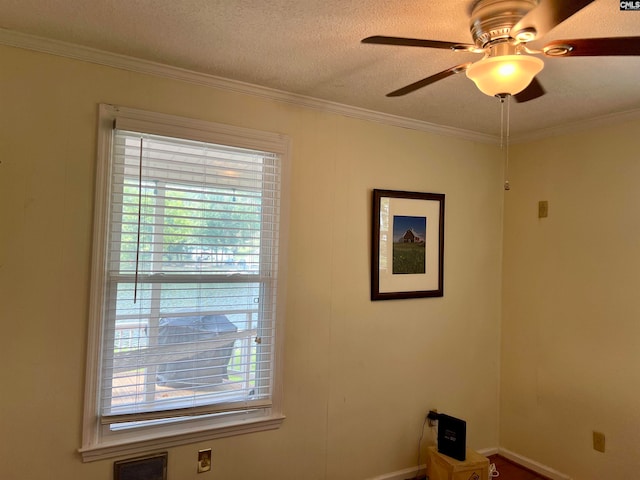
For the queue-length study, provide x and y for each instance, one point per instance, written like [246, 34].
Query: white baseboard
[412, 472]
[533, 465]
[514, 457]
[488, 451]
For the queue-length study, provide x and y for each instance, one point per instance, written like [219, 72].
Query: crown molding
[101, 57]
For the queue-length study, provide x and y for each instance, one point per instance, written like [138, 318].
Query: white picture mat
[392, 283]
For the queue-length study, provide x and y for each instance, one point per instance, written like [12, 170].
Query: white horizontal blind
[190, 278]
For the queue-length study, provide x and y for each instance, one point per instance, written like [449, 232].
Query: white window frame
[99, 441]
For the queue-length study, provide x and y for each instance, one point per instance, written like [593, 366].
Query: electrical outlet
[204, 460]
[432, 416]
[598, 441]
[543, 209]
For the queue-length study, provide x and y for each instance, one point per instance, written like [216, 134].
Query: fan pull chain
[504, 136]
[501, 122]
[506, 172]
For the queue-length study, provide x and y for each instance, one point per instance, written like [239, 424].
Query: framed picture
[152, 467]
[407, 249]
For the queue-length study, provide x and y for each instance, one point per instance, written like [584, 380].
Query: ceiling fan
[501, 30]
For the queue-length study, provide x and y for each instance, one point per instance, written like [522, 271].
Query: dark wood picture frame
[150, 467]
[393, 276]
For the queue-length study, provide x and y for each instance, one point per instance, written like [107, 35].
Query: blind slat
[181, 412]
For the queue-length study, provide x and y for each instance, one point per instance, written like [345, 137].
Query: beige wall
[571, 317]
[359, 376]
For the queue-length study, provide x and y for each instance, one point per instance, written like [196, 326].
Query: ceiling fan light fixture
[505, 74]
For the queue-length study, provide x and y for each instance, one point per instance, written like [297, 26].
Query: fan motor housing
[492, 20]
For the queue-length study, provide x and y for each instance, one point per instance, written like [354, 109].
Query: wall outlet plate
[543, 209]
[598, 441]
[204, 460]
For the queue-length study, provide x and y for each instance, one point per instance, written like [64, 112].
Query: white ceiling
[312, 48]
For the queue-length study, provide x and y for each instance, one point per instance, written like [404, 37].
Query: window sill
[142, 445]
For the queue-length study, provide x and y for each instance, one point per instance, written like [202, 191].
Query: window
[184, 339]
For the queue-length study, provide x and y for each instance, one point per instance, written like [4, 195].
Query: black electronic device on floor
[452, 437]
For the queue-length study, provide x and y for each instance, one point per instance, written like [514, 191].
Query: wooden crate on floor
[442, 467]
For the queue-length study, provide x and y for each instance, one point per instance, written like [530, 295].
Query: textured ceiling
[313, 48]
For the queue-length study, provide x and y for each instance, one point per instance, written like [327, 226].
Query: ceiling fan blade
[547, 15]
[429, 80]
[593, 47]
[533, 91]
[416, 42]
